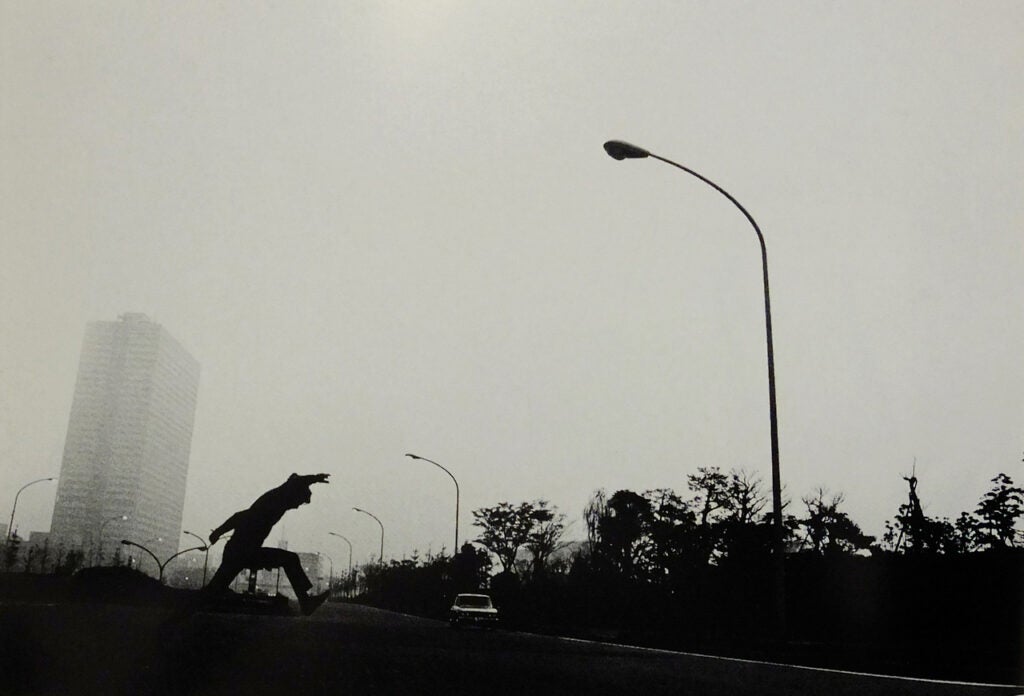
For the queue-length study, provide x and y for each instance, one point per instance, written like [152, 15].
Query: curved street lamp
[163, 565]
[620, 150]
[455, 550]
[345, 539]
[122, 518]
[381, 532]
[206, 550]
[10, 525]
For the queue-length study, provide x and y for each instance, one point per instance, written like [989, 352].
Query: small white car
[473, 610]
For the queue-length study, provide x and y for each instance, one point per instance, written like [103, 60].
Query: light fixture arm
[10, 525]
[456, 482]
[365, 512]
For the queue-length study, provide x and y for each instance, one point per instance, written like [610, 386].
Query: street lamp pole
[414, 456]
[620, 150]
[206, 557]
[103, 526]
[381, 532]
[163, 565]
[345, 539]
[10, 525]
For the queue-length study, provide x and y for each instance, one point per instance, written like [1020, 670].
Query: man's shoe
[310, 603]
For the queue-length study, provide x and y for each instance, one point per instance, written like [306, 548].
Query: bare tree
[827, 529]
[592, 514]
[710, 487]
[913, 532]
[744, 496]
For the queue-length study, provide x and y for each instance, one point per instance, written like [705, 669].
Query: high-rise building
[129, 436]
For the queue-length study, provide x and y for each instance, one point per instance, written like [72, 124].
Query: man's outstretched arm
[229, 524]
[310, 479]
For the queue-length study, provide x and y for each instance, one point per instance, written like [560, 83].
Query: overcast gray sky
[390, 227]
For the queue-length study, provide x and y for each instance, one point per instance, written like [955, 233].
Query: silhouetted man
[250, 528]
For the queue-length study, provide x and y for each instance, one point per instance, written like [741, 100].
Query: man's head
[298, 491]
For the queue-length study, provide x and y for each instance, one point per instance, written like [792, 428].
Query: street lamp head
[413, 456]
[621, 150]
[358, 510]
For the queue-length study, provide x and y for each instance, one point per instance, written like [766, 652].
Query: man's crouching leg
[289, 561]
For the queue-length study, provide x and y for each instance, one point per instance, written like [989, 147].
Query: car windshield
[477, 601]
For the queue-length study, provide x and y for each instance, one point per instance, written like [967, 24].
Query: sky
[390, 227]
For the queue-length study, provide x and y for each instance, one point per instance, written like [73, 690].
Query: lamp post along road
[345, 539]
[122, 518]
[163, 565]
[103, 527]
[381, 532]
[206, 556]
[10, 525]
[455, 550]
[620, 150]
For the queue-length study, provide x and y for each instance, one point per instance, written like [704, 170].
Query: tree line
[657, 535]
[692, 571]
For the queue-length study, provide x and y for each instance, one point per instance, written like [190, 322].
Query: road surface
[349, 649]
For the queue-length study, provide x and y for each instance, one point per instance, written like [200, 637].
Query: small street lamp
[381, 532]
[206, 551]
[10, 525]
[345, 539]
[455, 550]
[103, 526]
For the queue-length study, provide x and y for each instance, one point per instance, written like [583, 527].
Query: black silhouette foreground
[250, 527]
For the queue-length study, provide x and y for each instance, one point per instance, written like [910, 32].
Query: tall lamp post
[206, 548]
[345, 539]
[455, 550]
[10, 525]
[381, 532]
[620, 150]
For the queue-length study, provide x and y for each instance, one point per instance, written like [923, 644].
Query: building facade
[275, 582]
[126, 454]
